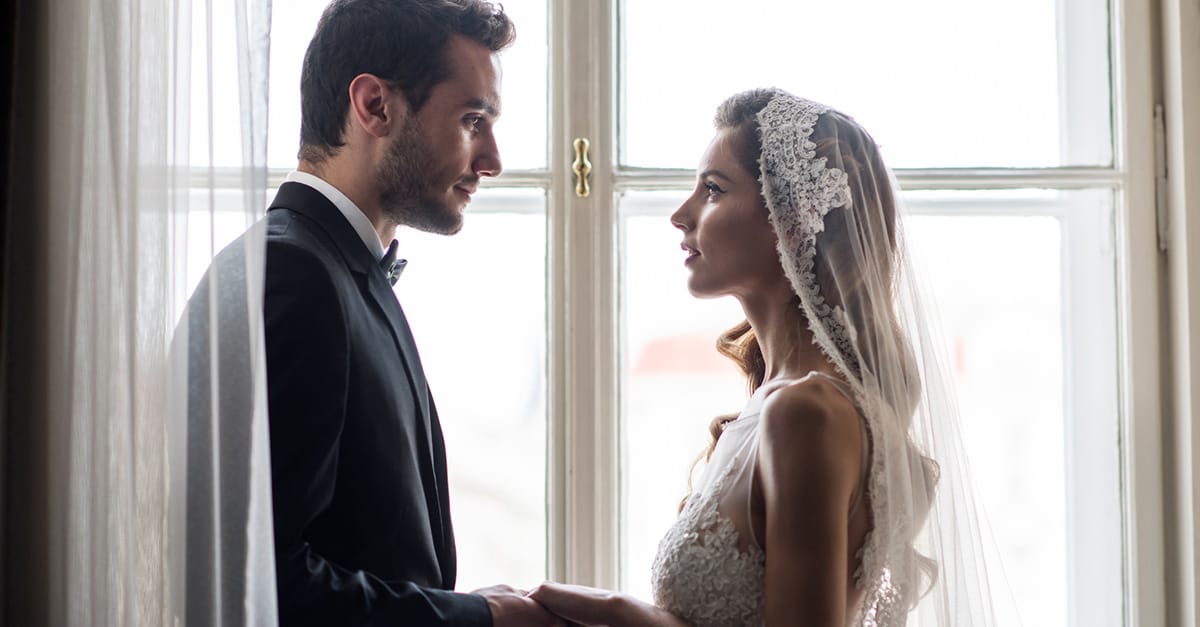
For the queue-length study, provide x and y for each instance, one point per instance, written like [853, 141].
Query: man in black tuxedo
[398, 101]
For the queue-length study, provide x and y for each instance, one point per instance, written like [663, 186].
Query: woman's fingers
[580, 604]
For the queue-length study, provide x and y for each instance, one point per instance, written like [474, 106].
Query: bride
[839, 495]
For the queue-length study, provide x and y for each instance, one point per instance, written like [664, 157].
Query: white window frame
[1179, 21]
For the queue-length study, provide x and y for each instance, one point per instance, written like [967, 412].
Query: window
[575, 376]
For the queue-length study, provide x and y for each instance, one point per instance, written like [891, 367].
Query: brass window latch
[582, 167]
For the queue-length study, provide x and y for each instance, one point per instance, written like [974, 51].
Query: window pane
[939, 84]
[477, 306]
[291, 30]
[521, 132]
[1024, 283]
[1028, 307]
[674, 381]
[524, 89]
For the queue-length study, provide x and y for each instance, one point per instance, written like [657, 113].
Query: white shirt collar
[354, 215]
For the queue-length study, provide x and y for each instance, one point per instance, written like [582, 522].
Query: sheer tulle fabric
[835, 209]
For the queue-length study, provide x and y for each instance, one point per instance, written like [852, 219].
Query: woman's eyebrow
[714, 172]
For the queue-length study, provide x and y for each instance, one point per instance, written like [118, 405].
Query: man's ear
[373, 105]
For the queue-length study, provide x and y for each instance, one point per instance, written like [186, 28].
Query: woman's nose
[681, 218]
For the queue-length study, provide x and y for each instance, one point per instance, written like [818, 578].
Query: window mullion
[920, 179]
[1180, 159]
[583, 303]
[1138, 285]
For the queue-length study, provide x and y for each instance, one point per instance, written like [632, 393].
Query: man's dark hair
[400, 41]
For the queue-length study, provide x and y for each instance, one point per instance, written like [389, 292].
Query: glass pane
[477, 306]
[1028, 306]
[1025, 285]
[939, 84]
[674, 381]
[521, 132]
[524, 90]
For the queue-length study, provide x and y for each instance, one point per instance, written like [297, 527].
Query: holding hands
[514, 608]
[593, 607]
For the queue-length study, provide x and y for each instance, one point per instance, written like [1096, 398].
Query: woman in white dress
[821, 503]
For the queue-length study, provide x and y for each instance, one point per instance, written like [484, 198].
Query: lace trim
[700, 574]
[800, 190]
[889, 574]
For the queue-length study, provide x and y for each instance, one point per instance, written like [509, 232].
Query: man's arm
[307, 373]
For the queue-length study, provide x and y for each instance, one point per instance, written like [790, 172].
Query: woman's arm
[594, 607]
[809, 463]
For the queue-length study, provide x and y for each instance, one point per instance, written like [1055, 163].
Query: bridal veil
[837, 213]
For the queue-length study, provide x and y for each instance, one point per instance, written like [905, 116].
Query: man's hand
[511, 608]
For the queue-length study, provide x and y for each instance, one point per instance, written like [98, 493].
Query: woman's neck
[784, 338]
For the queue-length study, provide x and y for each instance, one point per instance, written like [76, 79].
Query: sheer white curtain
[156, 488]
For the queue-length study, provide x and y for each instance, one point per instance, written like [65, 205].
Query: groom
[398, 100]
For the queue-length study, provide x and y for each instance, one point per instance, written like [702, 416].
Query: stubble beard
[408, 193]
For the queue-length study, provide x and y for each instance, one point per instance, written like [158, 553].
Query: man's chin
[445, 218]
[440, 216]
[453, 215]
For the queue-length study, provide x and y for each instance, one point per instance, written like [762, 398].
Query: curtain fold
[128, 188]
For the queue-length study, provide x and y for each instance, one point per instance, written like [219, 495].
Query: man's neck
[359, 186]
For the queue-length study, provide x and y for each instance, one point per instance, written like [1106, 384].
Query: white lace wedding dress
[710, 567]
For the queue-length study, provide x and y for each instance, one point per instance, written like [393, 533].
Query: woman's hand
[594, 607]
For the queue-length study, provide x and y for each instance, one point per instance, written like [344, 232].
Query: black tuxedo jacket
[358, 464]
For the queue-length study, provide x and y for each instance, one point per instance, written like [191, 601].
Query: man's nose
[487, 162]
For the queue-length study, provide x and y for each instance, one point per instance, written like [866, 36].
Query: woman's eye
[711, 189]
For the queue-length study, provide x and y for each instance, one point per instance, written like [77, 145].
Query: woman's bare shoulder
[812, 420]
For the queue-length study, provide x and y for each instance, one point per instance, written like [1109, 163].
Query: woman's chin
[699, 290]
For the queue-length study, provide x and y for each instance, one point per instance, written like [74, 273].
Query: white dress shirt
[354, 215]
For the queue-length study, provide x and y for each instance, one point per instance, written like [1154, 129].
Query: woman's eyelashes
[711, 190]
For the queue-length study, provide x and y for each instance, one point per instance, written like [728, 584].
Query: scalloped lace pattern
[800, 191]
[700, 574]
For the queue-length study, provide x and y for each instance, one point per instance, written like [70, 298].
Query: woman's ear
[374, 105]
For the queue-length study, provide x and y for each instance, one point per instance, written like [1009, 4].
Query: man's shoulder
[287, 224]
[280, 232]
[291, 233]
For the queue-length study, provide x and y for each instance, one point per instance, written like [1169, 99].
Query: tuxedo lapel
[371, 281]
[379, 289]
[374, 286]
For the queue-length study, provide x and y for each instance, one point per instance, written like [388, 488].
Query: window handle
[582, 167]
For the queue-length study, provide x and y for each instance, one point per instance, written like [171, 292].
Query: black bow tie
[391, 266]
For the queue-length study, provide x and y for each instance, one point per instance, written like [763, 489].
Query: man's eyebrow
[483, 104]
